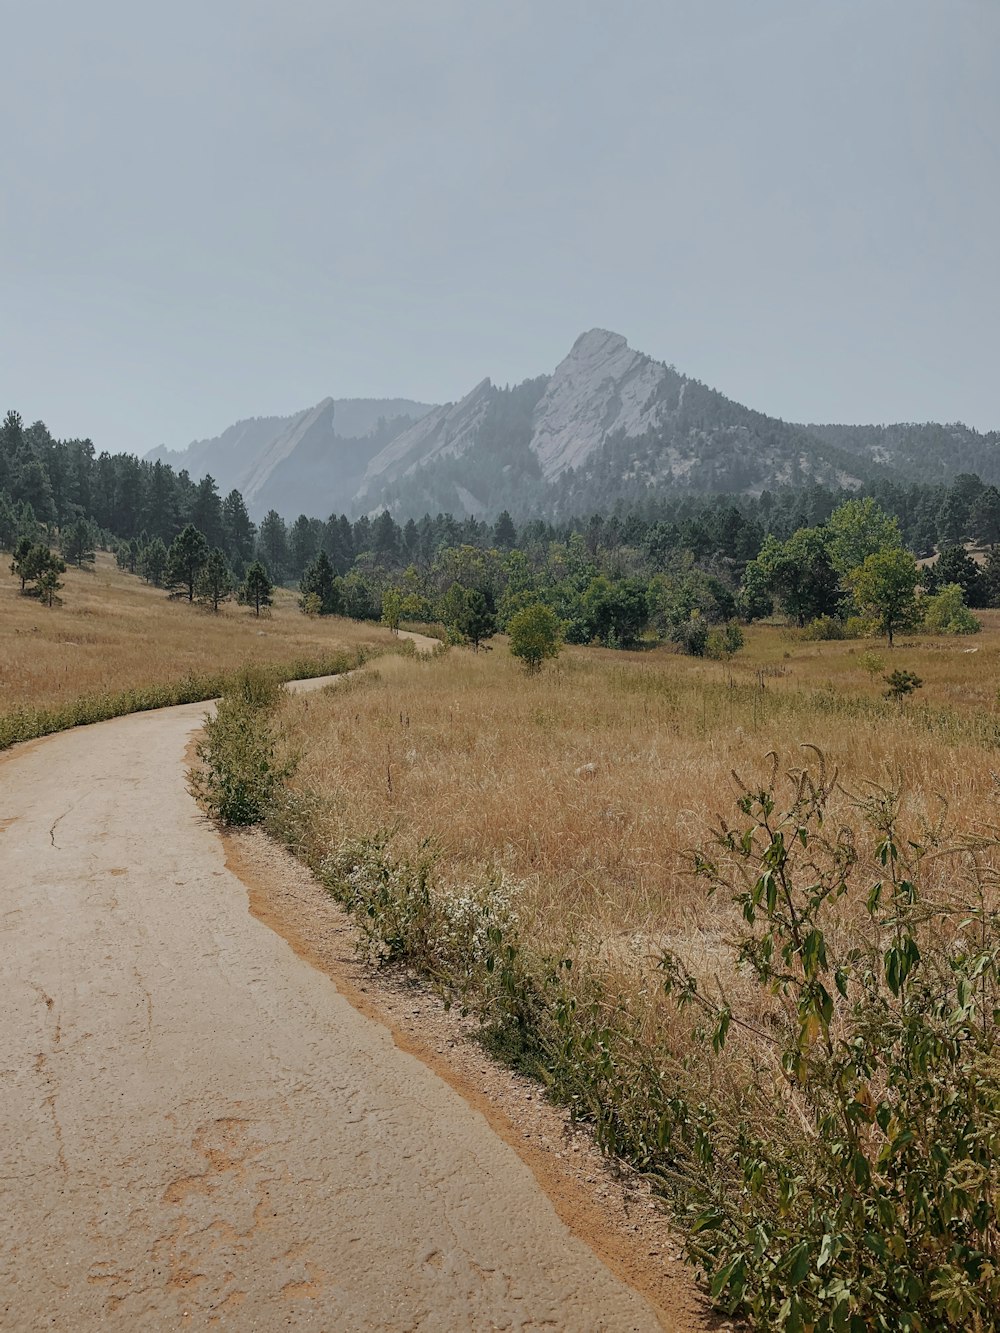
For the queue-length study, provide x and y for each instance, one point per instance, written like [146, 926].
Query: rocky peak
[602, 386]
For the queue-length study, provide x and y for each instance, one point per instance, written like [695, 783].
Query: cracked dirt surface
[199, 1129]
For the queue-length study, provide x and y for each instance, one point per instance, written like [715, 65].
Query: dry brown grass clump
[115, 633]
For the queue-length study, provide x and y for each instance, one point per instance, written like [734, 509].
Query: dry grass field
[114, 633]
[587, 785]
[528, 844]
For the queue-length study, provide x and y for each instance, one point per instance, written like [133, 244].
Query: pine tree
[504, 533]
[206, 512]
[77, 543]
[34, 563]
[214, 582]
[319, 581]
[239, 530]
[8, 522]
[186, 557]
[303, 543]
[19, 566]
[49, 582]
[272, 544]
[153, 562]
[386, 539]
[476, 620]
[257, 588]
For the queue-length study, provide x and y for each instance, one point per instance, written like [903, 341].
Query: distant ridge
[277, 462]
[609, 425]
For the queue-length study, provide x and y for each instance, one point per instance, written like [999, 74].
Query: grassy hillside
[114, 634]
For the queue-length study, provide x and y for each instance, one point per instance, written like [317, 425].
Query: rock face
[601, 388]
[608, 423]
[451, 429]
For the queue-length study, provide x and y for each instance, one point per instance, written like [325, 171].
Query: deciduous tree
[535, 636]
[885, 590]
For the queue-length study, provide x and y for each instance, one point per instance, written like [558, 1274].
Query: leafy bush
[239, 772]
[691, 635]
[723, 640]
[872, 662]
[838, 1136]
[449, 934]
[825, 627]
[858, 627]
[946, 612]
[535, 635]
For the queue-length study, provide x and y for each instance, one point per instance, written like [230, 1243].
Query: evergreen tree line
[674, 566]
[849, 575]
[47, 486]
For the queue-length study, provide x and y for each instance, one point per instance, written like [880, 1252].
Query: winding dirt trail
[198, 1129]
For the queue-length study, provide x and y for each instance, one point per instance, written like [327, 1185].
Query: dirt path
[198, 1128]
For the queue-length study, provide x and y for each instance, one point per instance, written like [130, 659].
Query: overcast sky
[229, 208]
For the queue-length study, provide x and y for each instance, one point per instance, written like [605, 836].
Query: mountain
[609, 423]
[927, 452]
[286, 463]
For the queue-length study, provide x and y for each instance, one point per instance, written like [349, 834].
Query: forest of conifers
[612, 576]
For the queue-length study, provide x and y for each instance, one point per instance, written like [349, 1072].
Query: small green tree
[945, 612]
[35, 563]
[19, 566]
[320, 581]
[186, 558]
[77, 543]
[535, 636]
[153, 562]
[476, 620]
[257, 589]
[885, 590]
[392, 608]
[214, 583]
[49, 583]
[901, 684]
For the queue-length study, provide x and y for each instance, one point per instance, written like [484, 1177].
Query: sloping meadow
[748, 932]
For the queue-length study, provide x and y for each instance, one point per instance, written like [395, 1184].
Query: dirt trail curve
[198, 1129]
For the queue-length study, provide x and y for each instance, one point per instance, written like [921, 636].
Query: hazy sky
[232, 208]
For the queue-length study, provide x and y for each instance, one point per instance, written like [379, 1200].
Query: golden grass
[114, 633]
[588, 783]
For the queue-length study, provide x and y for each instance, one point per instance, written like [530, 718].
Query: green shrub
[901, 685]
[858, 627]
[722, 641]
[872, 662]
[239, 773]
[946, 612]
[838, 1137]
[691, 635]
[536, 634]
[825, 627]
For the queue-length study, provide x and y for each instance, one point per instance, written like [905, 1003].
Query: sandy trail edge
[612, 1212]
[200, 1130]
